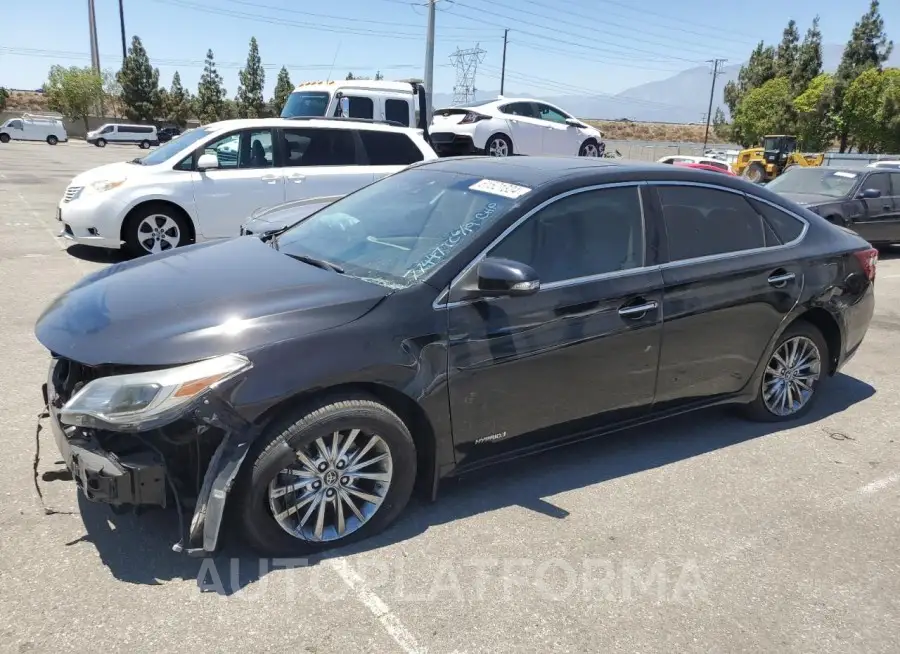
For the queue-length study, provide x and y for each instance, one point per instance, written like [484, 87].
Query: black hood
[808, 199]
[196, 302]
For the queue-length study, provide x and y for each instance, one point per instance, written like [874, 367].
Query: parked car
[702, 166]
[32, 127]
[118, 133]
[204, 184]
[866, 200]
[166, 134]
[885, 163]
[270, 220]
[706, 161]
[450, 316]
[506, 126]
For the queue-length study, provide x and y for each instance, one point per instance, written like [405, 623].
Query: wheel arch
[491, 133]
[831, 331]
[409, 411]
[162, 203]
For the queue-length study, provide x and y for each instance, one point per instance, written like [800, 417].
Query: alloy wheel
[336, 485]
[158, 233]
[590, 150]
[790, 376]
[498, 148]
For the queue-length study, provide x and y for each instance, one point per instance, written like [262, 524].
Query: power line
[606, 61]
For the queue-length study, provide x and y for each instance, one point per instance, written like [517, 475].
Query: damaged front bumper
[147, 469]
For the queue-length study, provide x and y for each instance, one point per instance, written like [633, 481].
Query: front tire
[790, 382]
[155, 228]
[498, 145]
[590, 148]
[101, 143]
[755, 173]
[4, 138]
[338, 471]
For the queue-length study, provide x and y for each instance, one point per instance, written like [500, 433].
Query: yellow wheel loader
[777, 154]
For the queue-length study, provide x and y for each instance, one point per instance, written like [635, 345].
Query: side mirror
[573, 122]
[503, 277]
[345, 106]
[207, 162]
[869, 194]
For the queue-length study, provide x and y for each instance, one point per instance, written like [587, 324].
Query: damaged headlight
[147, 400]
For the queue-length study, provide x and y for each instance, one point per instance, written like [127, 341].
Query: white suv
[207, 182]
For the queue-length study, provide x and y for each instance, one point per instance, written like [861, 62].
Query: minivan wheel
[336, 472]
[101, 143]
[145, 145]
[52, 140]
[793, 373]
[155, 228]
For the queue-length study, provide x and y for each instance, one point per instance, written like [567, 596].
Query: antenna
[331, 70]
[466, 63]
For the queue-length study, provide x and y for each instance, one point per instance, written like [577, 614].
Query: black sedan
[447, 317]
[867, 200]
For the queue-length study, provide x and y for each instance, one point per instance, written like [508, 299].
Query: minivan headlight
[103, 185]
[148, 400]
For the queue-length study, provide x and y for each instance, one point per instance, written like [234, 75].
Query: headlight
[148, 400]
[104, 185]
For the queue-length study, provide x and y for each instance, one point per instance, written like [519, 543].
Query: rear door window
[319, 147]
[520, 109]
[389, 148]
[786, 227]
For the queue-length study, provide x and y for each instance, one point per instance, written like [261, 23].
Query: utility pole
[122, 28]
[95, 52]
[712, 91]
[429, 62]
[503, 66]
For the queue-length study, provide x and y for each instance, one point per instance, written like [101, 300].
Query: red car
[701, 166]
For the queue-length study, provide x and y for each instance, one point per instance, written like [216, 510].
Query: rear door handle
[296, 178]
[780, 279]
[638, 310]
[270, 179]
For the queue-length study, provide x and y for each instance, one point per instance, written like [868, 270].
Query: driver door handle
[269, 179]
[638, 310]
[296, 177]
[780, 278]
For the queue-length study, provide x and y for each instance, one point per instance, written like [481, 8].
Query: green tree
[250, 101]
[378, 75]
[816, 126]
[721, 127]
[764, 110]
[178, 103]
[4, 98]
[112, 94]
[788, 50]
[758, 70]
[808, 63]
[869, 112]
[74, 92]
[210, 104]
[283, 89]
[350, 76]
[140, 84]
[868, 47]
[890, 111]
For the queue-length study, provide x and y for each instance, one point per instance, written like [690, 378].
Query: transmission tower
[466, 63]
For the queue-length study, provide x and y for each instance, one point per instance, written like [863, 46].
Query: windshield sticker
[503, 189]
[440, 252]
[841, 173]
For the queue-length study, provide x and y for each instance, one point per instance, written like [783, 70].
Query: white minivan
[34, 128]
[142, 135]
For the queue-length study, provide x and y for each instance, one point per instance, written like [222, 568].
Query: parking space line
[377, 607]
[879, 484]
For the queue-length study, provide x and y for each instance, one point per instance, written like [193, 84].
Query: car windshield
[305, 103]
[402, 229]
[168, 150]
[815, 181]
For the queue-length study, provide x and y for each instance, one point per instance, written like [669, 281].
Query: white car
[207, 182]
[885, 163]
[683, 158]
[141, 135]
[34, 128]
[507, 126]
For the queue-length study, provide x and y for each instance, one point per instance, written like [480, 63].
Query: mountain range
[682, 98]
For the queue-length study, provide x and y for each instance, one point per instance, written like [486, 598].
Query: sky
[554, 48]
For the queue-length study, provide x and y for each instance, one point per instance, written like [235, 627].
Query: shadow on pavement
[96, 255]
[137, 549]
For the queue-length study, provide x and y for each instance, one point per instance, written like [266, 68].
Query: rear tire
[145, 145]
[802, 373]
[498, 145]
[294, 441]
[52, 140]
[101, 143]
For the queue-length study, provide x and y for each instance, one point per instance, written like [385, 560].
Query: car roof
[373, 84]
[539, 171]
[316, 123]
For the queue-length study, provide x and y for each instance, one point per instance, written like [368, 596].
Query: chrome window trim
[441, 301]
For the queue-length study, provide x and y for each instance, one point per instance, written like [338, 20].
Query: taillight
[868, 259]
[472, 117]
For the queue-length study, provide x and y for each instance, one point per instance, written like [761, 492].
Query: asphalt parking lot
[702, 534]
